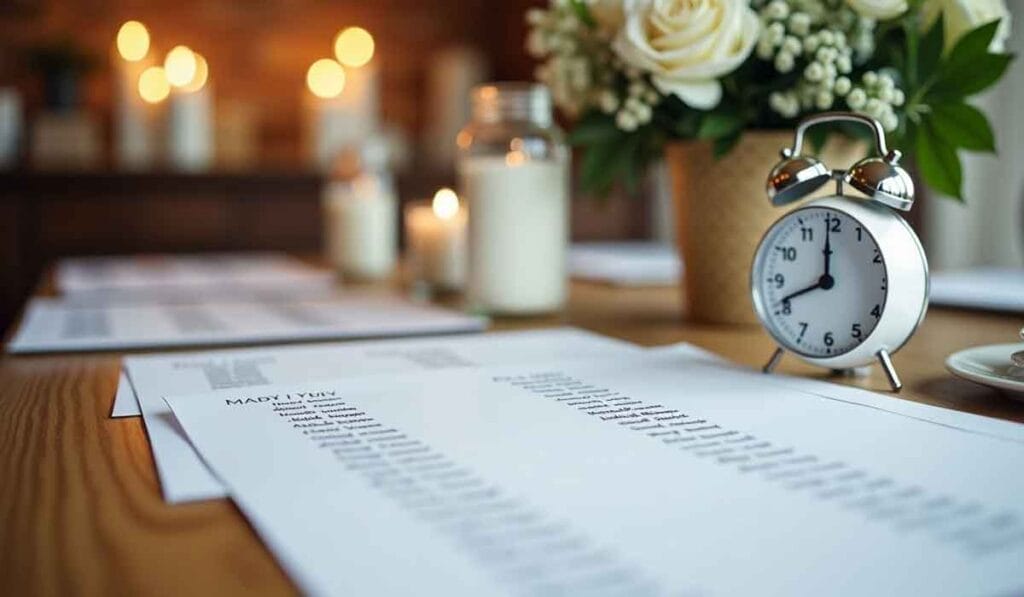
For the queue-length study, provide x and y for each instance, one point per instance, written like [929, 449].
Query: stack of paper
[995, 289]
[660, 472]
[177, 278]
[625, 263]
[113, 303]
[56, 325]
[184, 476]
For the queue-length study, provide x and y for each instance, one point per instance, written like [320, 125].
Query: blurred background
[97, 157]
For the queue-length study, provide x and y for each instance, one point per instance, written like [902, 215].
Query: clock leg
[772, 362]
[890, 370]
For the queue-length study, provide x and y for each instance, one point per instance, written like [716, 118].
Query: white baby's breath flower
[626, 121]
[777, 9]
[775, 33]
[874, 108]
[811, 43]
[784, 62]
[898, 97]
[608, 14]
[814, 72]
[685, 48]
[800, 23]
[643, 113]
[890, 122]
[608, 101]
[842, 86]
[870, 78]
[856, 98]
[823, 100]
[792, 45]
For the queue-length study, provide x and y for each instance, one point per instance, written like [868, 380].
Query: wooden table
[80, 507]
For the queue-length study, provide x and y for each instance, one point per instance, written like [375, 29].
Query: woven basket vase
[722, 212]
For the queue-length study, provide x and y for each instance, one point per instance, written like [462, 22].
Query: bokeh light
[354, 47]
[153, 85]
[325, 78]
[201, 75]
[180, 66]
[133, 41]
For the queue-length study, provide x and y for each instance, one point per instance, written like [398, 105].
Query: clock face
[820, 282]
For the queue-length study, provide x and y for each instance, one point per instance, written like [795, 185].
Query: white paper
[625, 263]
[125, 404]
[992, 288]
[53, 325]
[184, 477]
[646, 474]
[188, 278]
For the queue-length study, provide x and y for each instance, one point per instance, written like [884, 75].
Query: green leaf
[583, 13]
[962, 125]
[605, 163]
[966, 79]
[938, 162]
[973, 44]
[929, 53]
[723, 145]
[719, 124]
[593, 128]
[970, 67]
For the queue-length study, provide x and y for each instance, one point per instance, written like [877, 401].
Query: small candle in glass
[436, 236]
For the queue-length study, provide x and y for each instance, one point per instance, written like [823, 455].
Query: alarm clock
[842, 281]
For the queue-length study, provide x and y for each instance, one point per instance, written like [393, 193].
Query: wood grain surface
[80, 508]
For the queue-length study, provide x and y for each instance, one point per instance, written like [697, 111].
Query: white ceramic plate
[990, 365]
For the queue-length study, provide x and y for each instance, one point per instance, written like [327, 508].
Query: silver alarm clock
[842, 281]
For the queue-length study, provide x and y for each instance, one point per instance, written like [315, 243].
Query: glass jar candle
[513, 172]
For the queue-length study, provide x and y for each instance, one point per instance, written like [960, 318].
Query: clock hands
[816, 286]
[826, 281]
[828, 245]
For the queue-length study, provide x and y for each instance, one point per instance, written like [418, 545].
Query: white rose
[960, 16]
[878, 9]
[687, 45]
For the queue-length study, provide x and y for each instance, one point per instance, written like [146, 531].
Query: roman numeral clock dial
[820, 282]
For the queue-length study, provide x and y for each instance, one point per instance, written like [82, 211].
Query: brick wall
[259, 50]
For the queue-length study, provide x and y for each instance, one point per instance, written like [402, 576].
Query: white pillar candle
[518, 232]
[436, 237]
[345, 119]
[190, 129]
[360, 226]
[135, 120]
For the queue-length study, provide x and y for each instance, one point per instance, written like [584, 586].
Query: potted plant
[716, 86]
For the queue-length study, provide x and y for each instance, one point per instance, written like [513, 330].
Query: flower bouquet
[635, 75]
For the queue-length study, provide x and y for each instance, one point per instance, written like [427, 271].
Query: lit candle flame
[133, 41]
[446, 204]
[354, 47]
